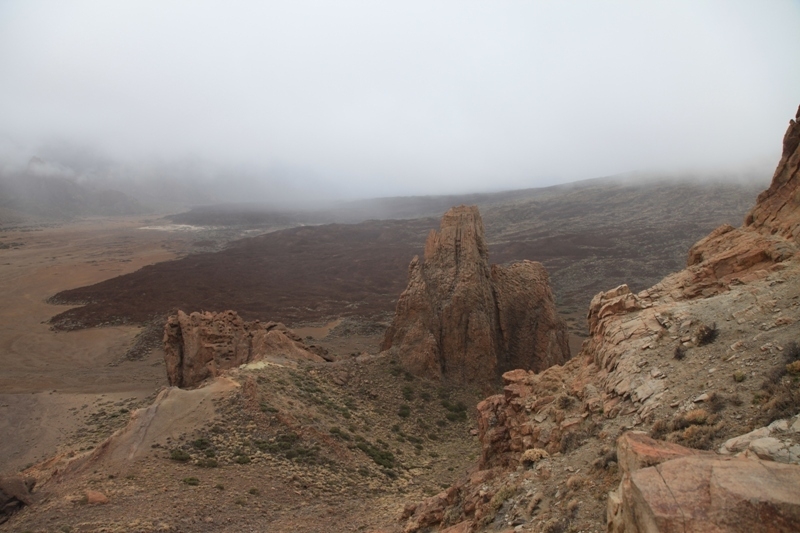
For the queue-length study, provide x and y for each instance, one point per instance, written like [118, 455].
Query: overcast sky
[407, 97]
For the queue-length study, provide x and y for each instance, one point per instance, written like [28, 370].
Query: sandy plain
[49, 379]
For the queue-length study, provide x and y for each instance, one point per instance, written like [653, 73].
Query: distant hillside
[589, 236]
[26, 195]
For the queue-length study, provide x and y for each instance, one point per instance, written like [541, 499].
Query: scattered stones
[762, 443]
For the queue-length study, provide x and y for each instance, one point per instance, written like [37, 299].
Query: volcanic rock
[686, 490]
[777, 210]
[203, 345]
[461, 320]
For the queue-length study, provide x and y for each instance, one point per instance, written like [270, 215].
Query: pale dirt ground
[49, 378]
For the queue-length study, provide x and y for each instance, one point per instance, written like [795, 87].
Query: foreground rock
[461, 320]
[203, 345]
[668, 488]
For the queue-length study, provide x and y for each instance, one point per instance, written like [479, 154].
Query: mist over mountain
[309, 102]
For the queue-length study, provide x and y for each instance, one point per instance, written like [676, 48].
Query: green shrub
[179, 455]
[202, 443]
[707, 334]
[404, 411]
[408, 393]
[384, 458]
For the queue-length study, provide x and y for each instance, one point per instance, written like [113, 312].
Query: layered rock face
[461, 320]
[203, 345]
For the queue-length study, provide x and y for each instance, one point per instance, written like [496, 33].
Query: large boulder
[667, 488]
[203, 345]
[462, 320]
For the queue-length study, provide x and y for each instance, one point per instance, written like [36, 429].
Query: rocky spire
[777, 210]
[461, 320]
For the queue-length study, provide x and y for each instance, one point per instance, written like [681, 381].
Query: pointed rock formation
[777, 210]
[461, 320]
[202, 345]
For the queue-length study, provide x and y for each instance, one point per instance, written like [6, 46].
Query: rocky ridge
[672, 358]
[462, 320]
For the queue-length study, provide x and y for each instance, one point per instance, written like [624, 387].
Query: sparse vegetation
[696, 428]
[201, 443]
[179, 455]
[384, 458]
[716, 402]
[193, 481]
[792, 352]
[408, 393]
[679, 353]
[564, 401]
[707, 334]
[457, 412]
[404, 411]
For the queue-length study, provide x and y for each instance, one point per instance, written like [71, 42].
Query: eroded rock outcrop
[203, 345]
[461, 320]
[623, 325]
[777, 210]
[743, 280]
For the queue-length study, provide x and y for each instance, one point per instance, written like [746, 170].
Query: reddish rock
[461, 320]
[94, 497]
[777, 210]
[635, 450]
[703, 494]
[668, 488]
[203, 345]
[535, 411]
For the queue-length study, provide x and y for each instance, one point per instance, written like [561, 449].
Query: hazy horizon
[359, 99]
